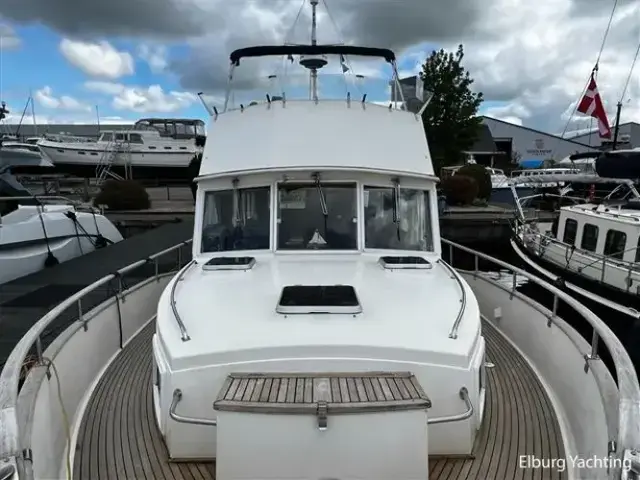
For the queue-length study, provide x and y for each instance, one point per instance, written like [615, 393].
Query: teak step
[321, 393]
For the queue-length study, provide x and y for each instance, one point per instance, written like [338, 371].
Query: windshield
[236, 220]
[401, 225]
[317, 216]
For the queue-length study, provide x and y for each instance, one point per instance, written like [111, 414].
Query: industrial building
[628, 137]
[523, 144]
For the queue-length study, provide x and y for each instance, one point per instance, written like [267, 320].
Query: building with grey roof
[628, 137]
[524, 144]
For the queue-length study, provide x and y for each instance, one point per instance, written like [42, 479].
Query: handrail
[183, 330]
[464, 395]
[628, 386]
[41, 197]
[453, 333]
[10, 375]
[177, 396]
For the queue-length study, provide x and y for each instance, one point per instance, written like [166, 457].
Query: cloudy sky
[136, 58]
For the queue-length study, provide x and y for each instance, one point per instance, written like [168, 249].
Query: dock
[486, 224]
[25, 300]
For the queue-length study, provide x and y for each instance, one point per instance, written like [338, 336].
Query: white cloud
[62, 117]
[155, 56]
[143, 99]
[8, 37]
[46, 98]
[540, 58]
[97, 59]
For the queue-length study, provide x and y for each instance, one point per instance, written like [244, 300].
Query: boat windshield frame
[345, 229]
[337, 231]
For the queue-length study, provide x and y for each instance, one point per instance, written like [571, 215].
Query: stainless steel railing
[628, 431]
[10, 375]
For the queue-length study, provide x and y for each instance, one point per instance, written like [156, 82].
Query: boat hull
[604, 295]
[84, 160]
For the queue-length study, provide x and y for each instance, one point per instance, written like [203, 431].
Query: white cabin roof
[608, 212]
[231, 315]
[328, 134]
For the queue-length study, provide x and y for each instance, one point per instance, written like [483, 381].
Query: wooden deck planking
[118, 438]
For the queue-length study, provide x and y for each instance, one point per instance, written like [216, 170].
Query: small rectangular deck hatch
[321, 394]
[405, 262]
[319, 299]
[230, 263]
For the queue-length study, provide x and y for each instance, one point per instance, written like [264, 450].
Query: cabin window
[570, 231]
[589, 237]
[319, 217]
[615, 243]
[135, 138]
[236, 220]
[408, 228]
[638, 251]
[106, 137]
[120, 137]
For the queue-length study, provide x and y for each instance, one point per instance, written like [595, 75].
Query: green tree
[450, 119]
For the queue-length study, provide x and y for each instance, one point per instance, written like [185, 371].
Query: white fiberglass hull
[93, 154]
[25, 247]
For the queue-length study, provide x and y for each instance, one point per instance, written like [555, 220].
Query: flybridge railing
[289, 85]
[29, 351]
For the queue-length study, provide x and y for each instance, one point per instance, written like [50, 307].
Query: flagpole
[617, 127]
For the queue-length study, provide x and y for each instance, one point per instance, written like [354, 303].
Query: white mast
[313, 62]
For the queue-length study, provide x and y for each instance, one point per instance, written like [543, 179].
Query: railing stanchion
[554, 311]
[81, 315]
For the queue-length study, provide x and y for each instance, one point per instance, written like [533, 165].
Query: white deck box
[322, 427]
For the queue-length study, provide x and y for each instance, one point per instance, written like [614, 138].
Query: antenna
[312, 62]
[206, 107]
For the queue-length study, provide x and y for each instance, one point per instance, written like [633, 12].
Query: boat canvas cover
[619, 165]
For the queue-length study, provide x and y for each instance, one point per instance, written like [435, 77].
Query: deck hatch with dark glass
[319, 299]
[230, 263]
[404, 262]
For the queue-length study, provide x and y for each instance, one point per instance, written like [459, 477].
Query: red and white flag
[591, 104]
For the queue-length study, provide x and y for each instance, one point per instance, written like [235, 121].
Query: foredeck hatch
[319, 299]
[230, 263]
[405, 261]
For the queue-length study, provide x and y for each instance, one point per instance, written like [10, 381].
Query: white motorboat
[592, 249]
[317, 331]
[152, 148]
[33, 237]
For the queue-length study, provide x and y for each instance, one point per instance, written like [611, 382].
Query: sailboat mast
[616, 128]
[314, 41]
[33, 115]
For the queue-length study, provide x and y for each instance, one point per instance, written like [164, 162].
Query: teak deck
[118, 438]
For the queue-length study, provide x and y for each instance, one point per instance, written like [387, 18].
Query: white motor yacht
[317, 332]
[152, 148]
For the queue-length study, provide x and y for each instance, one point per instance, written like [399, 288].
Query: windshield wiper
[323, 200]
[396, 205]
[238, 213]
